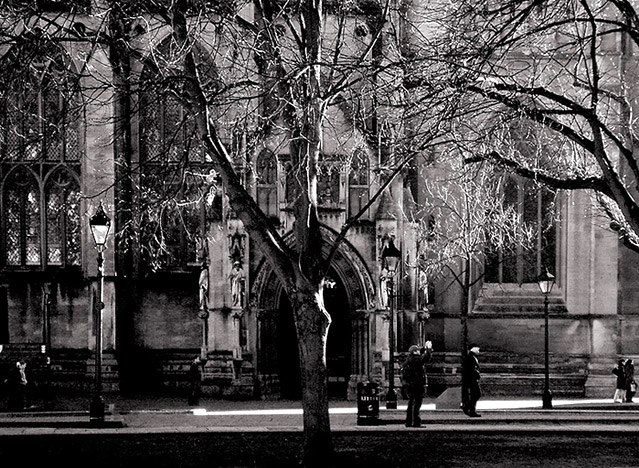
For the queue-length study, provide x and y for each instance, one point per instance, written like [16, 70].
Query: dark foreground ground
[281, 449]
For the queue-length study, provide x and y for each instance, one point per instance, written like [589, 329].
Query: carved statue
[237, 279]
[204, 288]
[203, 280]
[383, 289]
[422, 291]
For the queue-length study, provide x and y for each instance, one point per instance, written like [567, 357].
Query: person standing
[17, 384]
[620, 385]
[195, 379]
[471, 390]
[631, 385]
[414, 381]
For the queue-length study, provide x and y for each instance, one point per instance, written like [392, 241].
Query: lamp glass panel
[546, 286]
[100, 233]
[391, 264]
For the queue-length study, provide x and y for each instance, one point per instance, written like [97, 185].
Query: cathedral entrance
[338, 347]
[348, 294]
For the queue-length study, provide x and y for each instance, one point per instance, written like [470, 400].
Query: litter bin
[367, 403]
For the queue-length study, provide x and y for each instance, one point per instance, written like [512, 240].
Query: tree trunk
[301, 271]
[312, 324]
[465, 304]
[127, 249]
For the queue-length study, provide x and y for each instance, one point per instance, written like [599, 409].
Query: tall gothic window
[328, 178]
[177, 182]
[537, 209]
[267, 183]
[358, 183]
[40, 154]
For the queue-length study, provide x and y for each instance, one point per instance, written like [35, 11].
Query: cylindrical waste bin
[367, 403]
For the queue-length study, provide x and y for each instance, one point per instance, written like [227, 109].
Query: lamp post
[390, 261]
[546, 281]
[100, 224]
[46, 339]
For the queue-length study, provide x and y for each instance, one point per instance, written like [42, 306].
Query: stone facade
[242, 324]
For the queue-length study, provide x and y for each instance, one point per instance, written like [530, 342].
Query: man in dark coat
[471, 391]
[414, 382]
[195, 379]
[629, 372]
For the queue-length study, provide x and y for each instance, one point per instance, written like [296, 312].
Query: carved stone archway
[355, 282]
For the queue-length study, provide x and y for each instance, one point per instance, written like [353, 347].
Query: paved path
[171, 415]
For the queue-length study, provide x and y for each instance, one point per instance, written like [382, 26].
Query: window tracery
[40, 150]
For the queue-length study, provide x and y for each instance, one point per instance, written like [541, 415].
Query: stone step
[514, 307]
[507, 297]
[528, 289]
[495, 357]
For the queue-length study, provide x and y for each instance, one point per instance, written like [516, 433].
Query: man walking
[413, 377]
[471, 391]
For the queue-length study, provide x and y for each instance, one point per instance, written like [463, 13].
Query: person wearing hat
[414, 381]
[471, 390]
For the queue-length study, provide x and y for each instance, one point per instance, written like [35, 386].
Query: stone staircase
[496, 299]
[516, 374]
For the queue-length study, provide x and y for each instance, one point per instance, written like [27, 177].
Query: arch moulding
[347, 265]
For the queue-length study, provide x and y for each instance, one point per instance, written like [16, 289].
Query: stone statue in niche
[423, 295]
[383, 289]
[237, 280]
[203, 280]
[236, 247]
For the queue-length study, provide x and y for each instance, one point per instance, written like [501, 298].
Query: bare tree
[549, 93]
[464, 220]
[264, 72]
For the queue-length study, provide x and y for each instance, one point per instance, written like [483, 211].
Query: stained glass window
[63, 220]
[22, 210]
[39, 128]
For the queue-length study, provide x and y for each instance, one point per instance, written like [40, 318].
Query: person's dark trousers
[18, 398]
[415, 399]
[629, 395]
[470, 406]
[194, 395]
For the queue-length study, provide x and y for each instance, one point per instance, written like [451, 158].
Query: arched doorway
[348, 301]
[338, 346]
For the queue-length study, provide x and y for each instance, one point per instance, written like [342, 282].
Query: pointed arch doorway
[338, 346]
[350, 302]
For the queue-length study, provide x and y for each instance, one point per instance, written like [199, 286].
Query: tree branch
[597, 184]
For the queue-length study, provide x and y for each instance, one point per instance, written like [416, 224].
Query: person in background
[471, 390]
[17, 384]
[620, 384]
[631, 385]
[414, 380]
[195, 379]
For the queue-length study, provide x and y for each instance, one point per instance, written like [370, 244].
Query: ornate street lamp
[546, 281]
[390, 261]
[100, 225]
[45, 349]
